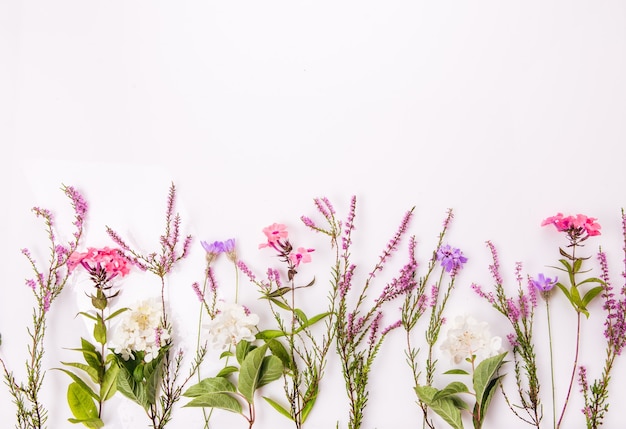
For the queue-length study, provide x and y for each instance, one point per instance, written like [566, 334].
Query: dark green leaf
[446, 408]
[278, 350]
[278, 292]
[271, 369]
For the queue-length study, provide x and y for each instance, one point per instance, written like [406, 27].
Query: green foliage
[448, 404]
[256, 369]
[139, 380]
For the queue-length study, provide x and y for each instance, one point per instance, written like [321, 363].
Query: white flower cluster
[467, 338]
[231, 325]
[140, 329]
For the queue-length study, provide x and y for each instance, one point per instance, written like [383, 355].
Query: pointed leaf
[87, 315]
[81, 382]
[250, 371]
[115, 313]
[81, 403]
[278, 292]
[109, 382]
[278, 350]
[92, 372]
[280, 304]
[301, 316]
[577, 264]
[457, 371]
[488, 396]
[268, 334]
[210, 386]
[485, 372]
[242, 349]
[271, 369]
[446, 408]
[591, 294]
[278, 407]
[94, 423]
[227, 370]
[226, 353]
[223, 401]
[451, 389]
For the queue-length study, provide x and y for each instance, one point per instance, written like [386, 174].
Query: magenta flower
[301, 255]
[451, 258]
[111, 260]
[578, 228]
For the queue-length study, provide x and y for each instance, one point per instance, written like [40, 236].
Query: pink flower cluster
[277, 235]
[578, 224]
[112, 260]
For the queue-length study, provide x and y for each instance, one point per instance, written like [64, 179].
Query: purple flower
[451, 258]
[217, 247]
[214, 248]
[544, 284]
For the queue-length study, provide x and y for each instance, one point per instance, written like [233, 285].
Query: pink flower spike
[302, 255]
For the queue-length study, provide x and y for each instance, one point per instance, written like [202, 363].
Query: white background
[507, 112]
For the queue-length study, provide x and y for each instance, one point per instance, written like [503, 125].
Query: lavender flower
[544, 285]
[451, 258]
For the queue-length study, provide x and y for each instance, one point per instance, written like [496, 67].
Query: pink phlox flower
[301, 255]
[111, 260]
[274, 233]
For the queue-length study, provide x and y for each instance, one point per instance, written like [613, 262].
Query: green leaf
[87, 315]
[223, 401]
[242, 350]
[268, 334]
[564, 253]
[457, 371]
[313, 320]
[92, 372]
[227, 370]
[81, 403]
[301, 316]
[249, 373]
[271, 369]
[485, 372]
[80, 382]
[116, 313]
[488, 395]
[565, 292]
[100, 331]
[278, 350]
[280, 304]
[210, 385]
[278, 408]
[451, 389]
[308, 406]
[278, 292]
[592, 280]
[91, 356]
[94, 423]
[446, 408]
[109, 382]
[577, 264]
[591, 294]
[575, 294]
[226, 353]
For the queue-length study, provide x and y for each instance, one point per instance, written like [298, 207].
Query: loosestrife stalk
[359, 334]
[578, 229]
[519, 311]
[597, 395]
[418, 301]
[47, 284]
[161, 264]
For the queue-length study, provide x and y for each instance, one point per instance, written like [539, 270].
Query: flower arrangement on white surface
[133, 351]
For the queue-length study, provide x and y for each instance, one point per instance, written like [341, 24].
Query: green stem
[551, 365]
[571, 382]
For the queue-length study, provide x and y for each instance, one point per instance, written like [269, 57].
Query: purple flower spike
[451, 258]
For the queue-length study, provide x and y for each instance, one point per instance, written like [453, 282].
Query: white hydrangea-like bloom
[468, 337]
[232, 324]
[140, 330]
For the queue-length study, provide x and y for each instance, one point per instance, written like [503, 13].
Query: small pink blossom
[274, 233]
[301, 255]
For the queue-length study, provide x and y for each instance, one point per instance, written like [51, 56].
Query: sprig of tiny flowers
[419, 301]
[161, 264]
[519, 310]
[47, 284]
[596, 396]
[359, 332]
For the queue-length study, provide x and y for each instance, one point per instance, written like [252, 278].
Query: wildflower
[140, 330]
[301, 255]
[229, 249]
[231, 325]
[274, 233]
[544, 285]
[578, 228]
[112, 261]
[470, 339]
[451, 258]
